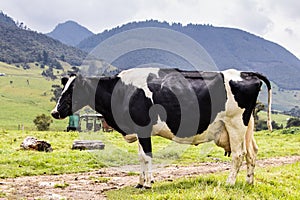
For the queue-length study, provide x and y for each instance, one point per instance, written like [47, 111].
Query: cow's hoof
[139, 186]
[152, 181]
[147, 187]
[227, 153]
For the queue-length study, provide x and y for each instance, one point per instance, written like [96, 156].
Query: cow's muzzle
[55, 114]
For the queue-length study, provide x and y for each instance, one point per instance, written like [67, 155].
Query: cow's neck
[103, 95]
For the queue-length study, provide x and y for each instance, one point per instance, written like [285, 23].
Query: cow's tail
[268, 84]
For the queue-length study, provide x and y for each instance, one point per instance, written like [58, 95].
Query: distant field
[22, 102]
[278, 118]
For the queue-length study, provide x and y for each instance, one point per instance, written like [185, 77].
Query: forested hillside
[228, 47]
[20, 45]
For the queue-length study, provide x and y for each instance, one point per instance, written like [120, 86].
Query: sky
[274, 20]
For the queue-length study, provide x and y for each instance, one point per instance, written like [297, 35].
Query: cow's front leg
[145, 157]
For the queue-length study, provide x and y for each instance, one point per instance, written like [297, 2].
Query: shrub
[42, 122]
[293, 130]
[262, 125]
[295, 121]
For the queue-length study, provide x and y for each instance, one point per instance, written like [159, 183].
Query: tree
[49, 73]
[56, 89]
[42, 122]
[45, 58]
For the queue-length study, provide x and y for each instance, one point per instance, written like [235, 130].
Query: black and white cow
[183, 106]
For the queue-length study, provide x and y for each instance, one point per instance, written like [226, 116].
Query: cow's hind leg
[236, 131]
[252, 149]
[145, 157]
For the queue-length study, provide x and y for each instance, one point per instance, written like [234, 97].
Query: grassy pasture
[271, 183]
[22, 102]
[278, 118]
[117, 152]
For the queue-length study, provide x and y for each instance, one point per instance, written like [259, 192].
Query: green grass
[61, 185]
[14, 163]
[20, 102]
[117, 152]
[271, 183]
[99, 179]
[278, 118]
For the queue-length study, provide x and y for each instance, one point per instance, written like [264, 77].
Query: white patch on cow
[231, 107]
[138, 78]
[146, 168]
[234, 126]
[162, 129]
[68, 84]
[65, 89]
[232, 74]
[212, 133]
[130, 138]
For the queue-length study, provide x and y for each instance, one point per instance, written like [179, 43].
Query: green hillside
[22, 102]
[20, 45]
[282, 99]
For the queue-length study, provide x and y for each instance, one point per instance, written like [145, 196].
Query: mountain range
[225, 47]
[70, 33]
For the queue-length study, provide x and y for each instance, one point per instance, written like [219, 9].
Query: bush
[42, 122]
[295, 121]
[293, 130]
[262, 125]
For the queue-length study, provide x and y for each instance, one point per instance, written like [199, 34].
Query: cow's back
[191, 100]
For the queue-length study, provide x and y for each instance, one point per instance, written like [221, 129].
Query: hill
[21, 45]
[70, 33]
[228, 47]
[24, 94]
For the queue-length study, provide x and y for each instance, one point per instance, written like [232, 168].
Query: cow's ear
[64, 80]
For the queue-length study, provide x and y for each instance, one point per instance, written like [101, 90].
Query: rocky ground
[92, 185]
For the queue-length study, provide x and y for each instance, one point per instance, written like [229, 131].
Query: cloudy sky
[275, 20]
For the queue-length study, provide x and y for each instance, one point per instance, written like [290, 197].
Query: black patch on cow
[173, 90]
[146, 144]
[245, 94]
[124, 107]
[139, 106]
[105, 87]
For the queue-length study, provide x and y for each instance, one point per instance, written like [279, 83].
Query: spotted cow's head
[63, 106]
[72, 97]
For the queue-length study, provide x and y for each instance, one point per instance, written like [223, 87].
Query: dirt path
[90, 185]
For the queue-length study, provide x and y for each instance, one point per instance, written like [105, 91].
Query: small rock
[46, 184]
